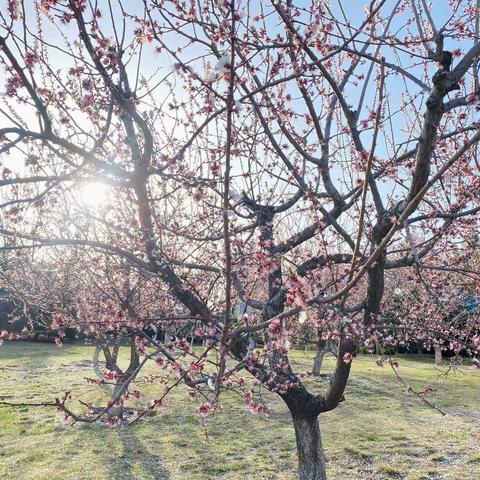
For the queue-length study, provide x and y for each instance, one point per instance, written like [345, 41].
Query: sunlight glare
[93, 194]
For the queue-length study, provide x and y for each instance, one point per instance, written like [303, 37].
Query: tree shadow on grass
[137, 462]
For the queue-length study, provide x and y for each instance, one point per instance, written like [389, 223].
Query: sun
[93, 194]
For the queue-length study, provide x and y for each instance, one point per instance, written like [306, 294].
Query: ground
[379, 432]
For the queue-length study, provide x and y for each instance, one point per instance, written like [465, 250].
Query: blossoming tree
[294, 156]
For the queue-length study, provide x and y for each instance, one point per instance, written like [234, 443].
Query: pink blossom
[207, 408]
[275, 329]
[347, 357]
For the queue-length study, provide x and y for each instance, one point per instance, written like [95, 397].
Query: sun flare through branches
[218, 182]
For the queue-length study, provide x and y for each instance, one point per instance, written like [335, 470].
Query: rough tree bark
[311, 459]
[305, 409]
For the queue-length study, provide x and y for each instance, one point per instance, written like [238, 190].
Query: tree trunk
[311, 460]
[438, 356]
[318, 360]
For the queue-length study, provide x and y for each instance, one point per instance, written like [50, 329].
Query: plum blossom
[207, 408]
[347, 357]
[275, 329]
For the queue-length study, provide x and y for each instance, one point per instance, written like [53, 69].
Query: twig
[368, 169]
[420, 395]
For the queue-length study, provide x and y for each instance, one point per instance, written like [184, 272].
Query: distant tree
[435, 305]
[105, 303]
[297, 156]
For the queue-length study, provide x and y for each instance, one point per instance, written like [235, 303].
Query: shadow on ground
[136, 462]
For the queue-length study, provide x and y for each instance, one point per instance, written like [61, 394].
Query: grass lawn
[379, 432]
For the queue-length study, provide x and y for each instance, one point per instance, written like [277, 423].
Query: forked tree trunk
[124, 378]
[115, 410]
[305, 409]
[311, 459]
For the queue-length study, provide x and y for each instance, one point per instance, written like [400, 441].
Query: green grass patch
[379, 432]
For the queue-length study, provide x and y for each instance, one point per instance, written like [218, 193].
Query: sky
[153, 63]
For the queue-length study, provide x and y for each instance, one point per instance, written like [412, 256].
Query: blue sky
[355, 10]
